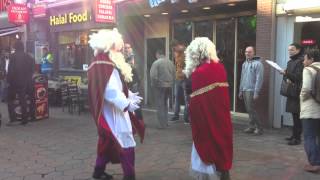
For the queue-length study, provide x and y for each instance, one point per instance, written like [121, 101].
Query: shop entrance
[231, 36]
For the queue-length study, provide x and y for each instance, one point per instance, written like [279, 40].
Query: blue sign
[155, 3]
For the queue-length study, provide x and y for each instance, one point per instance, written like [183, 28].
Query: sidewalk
[63, 148]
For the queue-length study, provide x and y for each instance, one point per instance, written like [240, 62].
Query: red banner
[4, 4]
[39, 10]
[18, 14]
[105, 11]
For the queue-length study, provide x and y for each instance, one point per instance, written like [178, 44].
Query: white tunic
[113, 111]
[199, 169]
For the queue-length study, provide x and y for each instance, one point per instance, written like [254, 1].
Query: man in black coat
[293, 74]
[19, 78]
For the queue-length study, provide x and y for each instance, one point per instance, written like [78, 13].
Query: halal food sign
[18, 14]
[69, 18]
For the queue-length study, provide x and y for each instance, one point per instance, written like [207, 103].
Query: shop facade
[9, 32]
[232, 25]
[65, 31]
[297, 21]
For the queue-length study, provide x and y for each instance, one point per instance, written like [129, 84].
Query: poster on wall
[105, 11]
[38, 51]
[18, 14]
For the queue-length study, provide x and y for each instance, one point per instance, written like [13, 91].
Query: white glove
[135, 98]
[133, 106]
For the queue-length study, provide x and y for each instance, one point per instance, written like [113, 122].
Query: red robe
[99, 73]
[210, 115]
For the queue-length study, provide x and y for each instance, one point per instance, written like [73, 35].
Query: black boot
[101, 175]
[225, 175]
[132, 177]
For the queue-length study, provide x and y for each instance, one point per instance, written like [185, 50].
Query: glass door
[225, 44]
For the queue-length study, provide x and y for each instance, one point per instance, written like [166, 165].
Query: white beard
[125, 69]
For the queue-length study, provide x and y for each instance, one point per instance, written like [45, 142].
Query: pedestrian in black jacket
[293, 74]
[20, 71]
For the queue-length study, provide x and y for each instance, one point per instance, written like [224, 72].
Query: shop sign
[39, 10]
[308, 42]
[105, 11]
[18, 14]
[69, 18]
[4, 4]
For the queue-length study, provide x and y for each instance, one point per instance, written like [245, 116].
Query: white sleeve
[114, 94]
[306, 84]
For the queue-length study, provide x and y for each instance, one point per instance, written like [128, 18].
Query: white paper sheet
[274, 65]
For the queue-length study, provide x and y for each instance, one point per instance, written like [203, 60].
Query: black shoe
[174, 119]
[101, 176]
[225, 175]
[294, 142]
[129, 177]
[289, 138]
[23, 123]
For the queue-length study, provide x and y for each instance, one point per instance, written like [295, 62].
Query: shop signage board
[39, 10]
[4, 4]
[70, 18]
[18, 14]
[105, 11]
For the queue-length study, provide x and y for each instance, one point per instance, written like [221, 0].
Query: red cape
[99, 73]
[210, 116]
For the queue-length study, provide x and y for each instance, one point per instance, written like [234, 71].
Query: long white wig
[200, 49]
[111, 41]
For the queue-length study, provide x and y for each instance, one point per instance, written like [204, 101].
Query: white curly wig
[200, 49]
[104, 40]
[111, 41]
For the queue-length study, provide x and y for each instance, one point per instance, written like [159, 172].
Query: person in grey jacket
[162, 75]
[250, 86]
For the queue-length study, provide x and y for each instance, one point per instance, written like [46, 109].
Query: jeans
[249, 104]
[162, 94]
[311, 133]
[179, 92]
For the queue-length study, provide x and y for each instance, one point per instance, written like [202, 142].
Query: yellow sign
[73, 79]
[70, 18]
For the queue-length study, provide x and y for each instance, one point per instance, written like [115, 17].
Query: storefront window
[246, 37]
[182, 32]
[74, 51]
[203, 29]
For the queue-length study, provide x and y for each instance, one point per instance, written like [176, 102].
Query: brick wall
[264, 48]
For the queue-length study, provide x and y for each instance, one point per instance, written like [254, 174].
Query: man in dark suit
[19, 78]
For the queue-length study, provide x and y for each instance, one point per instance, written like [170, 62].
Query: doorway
[153, 44]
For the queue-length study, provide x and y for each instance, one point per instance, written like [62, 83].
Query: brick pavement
[63, 148]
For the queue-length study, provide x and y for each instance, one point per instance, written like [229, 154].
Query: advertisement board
[105, 11]
[18, 14]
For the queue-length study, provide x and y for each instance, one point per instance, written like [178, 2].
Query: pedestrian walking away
[112, 105]
[162, 78]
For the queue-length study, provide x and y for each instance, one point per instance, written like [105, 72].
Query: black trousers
[21, 93]
[297, 126]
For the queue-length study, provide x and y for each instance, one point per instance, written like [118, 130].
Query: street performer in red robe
[112, 105]
[212, 149]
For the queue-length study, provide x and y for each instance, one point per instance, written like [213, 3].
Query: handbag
[289, 89]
